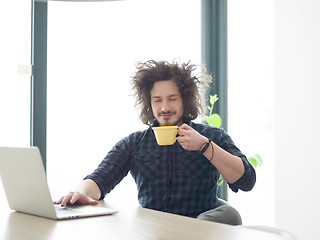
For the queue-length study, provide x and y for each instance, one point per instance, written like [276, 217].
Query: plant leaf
[214, 120]
[213, 99]
[220, 181]
[255, 160]
[205, 118]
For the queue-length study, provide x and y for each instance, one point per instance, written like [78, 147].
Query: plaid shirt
[169, 178]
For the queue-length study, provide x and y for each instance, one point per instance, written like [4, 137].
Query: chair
[274, 230]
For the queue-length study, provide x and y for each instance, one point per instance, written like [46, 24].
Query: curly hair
[192, 87]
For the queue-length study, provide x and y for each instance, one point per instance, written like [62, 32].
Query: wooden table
[133, 224]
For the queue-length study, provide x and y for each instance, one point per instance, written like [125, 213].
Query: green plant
[255, 160]
[214, 119]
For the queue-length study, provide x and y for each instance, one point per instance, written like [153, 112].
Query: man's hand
[87, 193]
[189, 138]
[231, 167]
[76, 198]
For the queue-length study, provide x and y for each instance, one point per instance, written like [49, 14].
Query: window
[91, 56]
[251, 94]
[15, 88]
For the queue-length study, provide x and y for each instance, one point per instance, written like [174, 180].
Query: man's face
[166, 103]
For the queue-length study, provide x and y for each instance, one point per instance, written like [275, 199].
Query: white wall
[297, 113]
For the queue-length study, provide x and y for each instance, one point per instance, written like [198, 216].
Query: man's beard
[167, 122]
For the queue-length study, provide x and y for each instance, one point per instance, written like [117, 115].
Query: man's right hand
[76, 198]
[87, 193]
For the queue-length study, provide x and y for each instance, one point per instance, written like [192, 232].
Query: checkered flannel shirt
[169, 178]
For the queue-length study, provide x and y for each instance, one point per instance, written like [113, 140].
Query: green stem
[211, 108]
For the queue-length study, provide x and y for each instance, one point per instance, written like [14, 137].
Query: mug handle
[178, 136]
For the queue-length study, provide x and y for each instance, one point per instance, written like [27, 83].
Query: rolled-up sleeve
[247, 181]
[113, 168]
[116, 165]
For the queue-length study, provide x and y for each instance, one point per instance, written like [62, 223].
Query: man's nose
[165, 106]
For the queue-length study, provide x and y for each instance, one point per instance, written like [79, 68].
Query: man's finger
[185, 126]
[93, 202]
[59, 200]
[75, 197]
[66, 199]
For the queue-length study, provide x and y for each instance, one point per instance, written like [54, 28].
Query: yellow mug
[166, 135]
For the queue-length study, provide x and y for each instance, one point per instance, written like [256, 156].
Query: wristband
[205, 146]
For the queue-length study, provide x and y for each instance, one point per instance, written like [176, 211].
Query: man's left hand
[189, 138]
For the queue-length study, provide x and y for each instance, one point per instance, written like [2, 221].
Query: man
[180, 178]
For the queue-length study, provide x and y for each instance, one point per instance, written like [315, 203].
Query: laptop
[26, 188]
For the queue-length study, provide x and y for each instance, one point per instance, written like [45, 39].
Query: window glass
[251, 94]
[15, 49]
[92, 51]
